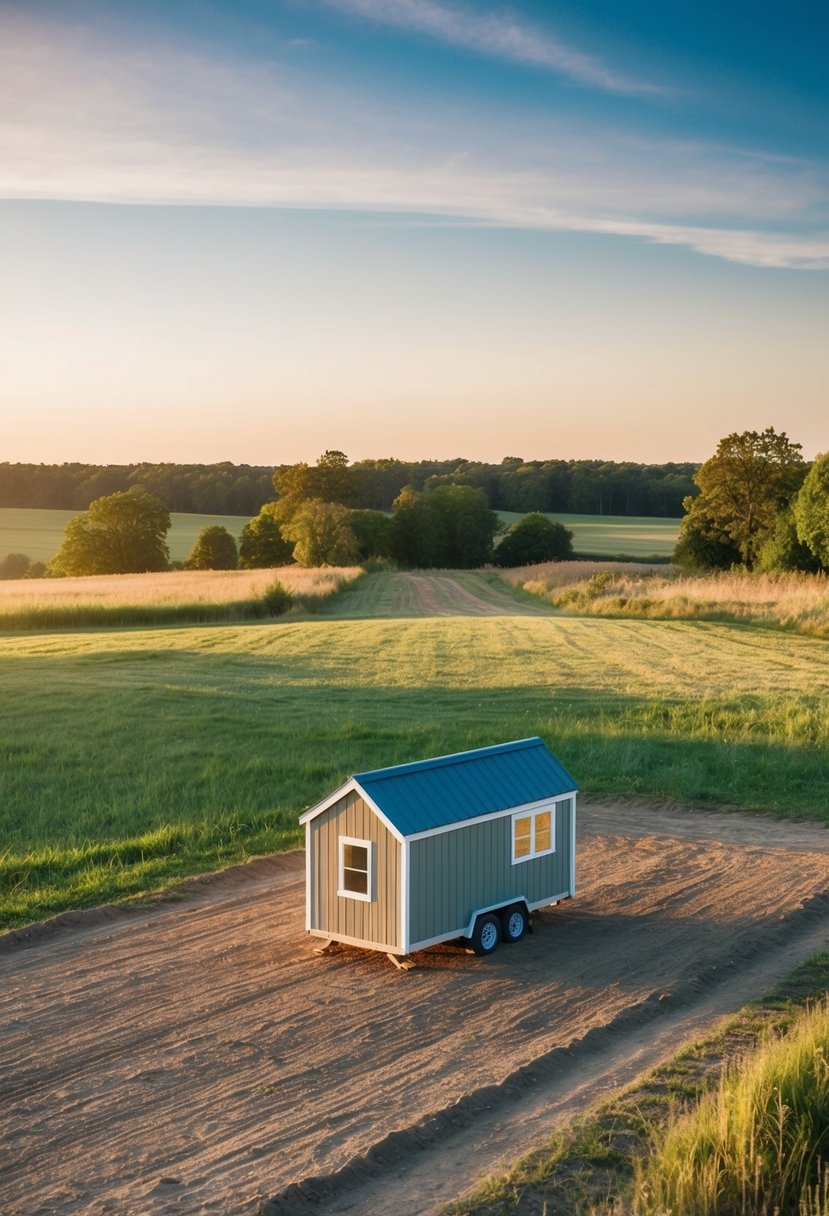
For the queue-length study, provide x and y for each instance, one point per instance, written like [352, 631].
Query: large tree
[261, 543]
[452, 526]
[215, 549]
[743, 486]
[373, 531]
[122, 533]
[535, 538]
[811, 510]
[322, 534]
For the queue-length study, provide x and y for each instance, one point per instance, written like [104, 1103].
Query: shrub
[276, 599]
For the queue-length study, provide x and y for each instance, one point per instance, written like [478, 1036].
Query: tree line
[588, 487]
[307, 520]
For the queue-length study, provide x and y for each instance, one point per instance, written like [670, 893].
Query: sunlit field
[615, 535]
[175, 595]
[38, 533]
[791, 601]
[129, 757]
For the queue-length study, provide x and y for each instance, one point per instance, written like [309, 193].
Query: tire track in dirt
[196, 1057]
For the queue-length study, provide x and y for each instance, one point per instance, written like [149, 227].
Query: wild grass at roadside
[759, 1142]
[790, 601]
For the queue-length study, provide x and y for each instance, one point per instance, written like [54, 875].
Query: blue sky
[252, 231]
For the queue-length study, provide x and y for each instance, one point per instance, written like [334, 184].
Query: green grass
[631, 536]
[39, 533]
[130, 757]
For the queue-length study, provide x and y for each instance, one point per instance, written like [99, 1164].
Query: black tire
[486, 935]
[514, 922]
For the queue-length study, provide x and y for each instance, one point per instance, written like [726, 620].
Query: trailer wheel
[514, 922]
[486, 934]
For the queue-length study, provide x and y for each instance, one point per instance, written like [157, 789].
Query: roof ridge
[478, 753]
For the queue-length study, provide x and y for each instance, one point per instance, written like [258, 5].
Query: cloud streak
[87, 122]
[499, 35]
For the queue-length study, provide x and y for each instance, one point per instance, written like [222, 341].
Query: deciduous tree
[321, 534]
[122, 533]
[215, 549]
[534, 539]
[743, 486]
[262, 545]
[811, 510]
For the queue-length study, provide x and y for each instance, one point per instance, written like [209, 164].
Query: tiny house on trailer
[466, 845]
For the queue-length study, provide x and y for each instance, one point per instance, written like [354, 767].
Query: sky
[257, 229]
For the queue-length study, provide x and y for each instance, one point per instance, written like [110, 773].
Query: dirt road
[197, 1057]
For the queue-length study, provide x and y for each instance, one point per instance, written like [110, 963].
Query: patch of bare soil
[197, 1057]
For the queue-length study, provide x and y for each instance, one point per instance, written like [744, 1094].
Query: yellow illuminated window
[533, 834]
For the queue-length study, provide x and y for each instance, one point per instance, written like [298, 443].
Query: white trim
[405, 907]
[510, 810]
[467, 929]
[342, 890]
[308, 877]
[356, 941]
[532, 816]
[573, 846]
[328, 801]
[350, 786]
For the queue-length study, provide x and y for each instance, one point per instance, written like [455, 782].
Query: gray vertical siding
[377, 922]
[455, 872]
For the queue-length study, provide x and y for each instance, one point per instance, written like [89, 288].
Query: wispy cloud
[84, 121]
[497, 34]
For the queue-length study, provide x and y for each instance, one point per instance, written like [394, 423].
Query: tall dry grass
[791, 601]
[168, 596]
[758, 1144]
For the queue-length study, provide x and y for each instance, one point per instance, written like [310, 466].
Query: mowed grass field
[39, 533]
[131, 756]
[612, 535]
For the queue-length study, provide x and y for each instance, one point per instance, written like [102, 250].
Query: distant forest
[581, 487]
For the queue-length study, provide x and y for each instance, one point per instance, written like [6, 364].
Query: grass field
[615, 535]
[130, 756]
[39, 533]
[168, 597]
[616, 589]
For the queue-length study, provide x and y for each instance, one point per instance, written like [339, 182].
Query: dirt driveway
[197, 1057]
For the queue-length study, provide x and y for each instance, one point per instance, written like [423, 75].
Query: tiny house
[460, 846]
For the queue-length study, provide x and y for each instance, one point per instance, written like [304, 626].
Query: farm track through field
[195, 1056]
[456, 593]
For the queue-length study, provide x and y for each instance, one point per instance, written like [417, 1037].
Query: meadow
[167, 597]
[626, 536]
[788, 601]
[129, 757]
[38, 533]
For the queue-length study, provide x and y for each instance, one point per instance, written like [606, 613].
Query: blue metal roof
[449, 789]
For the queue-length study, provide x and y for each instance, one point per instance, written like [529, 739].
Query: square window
[355, 878]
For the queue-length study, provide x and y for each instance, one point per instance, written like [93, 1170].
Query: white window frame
[368, 845]
[548, 808]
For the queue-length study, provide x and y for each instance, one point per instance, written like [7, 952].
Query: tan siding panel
[375, 921]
